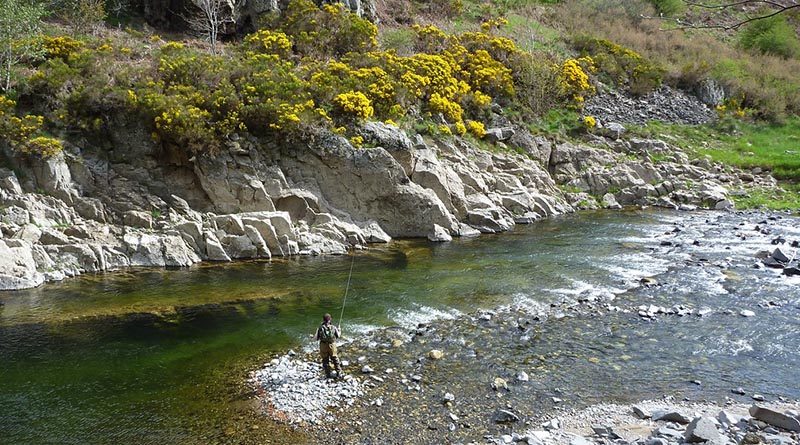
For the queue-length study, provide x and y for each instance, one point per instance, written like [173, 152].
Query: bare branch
[777, 8]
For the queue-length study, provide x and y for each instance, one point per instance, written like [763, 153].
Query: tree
[724, 14]
[84, 16]
[208, 19]
[19, 21]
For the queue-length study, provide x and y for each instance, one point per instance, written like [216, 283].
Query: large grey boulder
[17, 266]
[775, 418]
[703, 429]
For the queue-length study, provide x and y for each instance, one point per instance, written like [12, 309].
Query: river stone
[435, 354]
[775, 418]
[671, 415]
[702, 429]
[504, 416]
[499, 383]
[780, 255]
[791, 271]
[747, 313]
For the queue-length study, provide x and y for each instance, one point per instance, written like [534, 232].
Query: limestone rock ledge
[132, 203]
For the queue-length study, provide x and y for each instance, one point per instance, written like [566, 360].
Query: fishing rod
[347, 288]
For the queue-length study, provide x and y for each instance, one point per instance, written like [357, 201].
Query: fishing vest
[327, 333]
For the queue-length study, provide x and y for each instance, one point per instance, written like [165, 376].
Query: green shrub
[624, 66]
[771, 36]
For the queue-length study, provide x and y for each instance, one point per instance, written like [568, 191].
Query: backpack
[326, 333]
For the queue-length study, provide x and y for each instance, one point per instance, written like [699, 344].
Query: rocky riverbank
[494, 376]
[127, 202]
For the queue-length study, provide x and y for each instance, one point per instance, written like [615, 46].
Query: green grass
[775, 148]
[772, 147]
[787, 199]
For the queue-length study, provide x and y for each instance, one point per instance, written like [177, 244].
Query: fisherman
[327, 333]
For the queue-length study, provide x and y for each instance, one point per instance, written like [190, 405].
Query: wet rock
[775, 418]
[747, 313]
[648, 282]
[670, 415]
[435, 354]
[499, 383]
[739, 391]
[792, 271]
[702, 429]
[759, 398]
[504, 416]
[779, 255]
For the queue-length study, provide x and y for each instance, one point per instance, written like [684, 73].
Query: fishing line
[347, 288]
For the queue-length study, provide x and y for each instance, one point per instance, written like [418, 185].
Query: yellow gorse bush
[315, 68]
[22, 133]
[355, 103]
[573, 79]
[268, 42]
[60, 47]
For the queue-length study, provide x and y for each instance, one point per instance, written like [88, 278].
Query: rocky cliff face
[92, 209]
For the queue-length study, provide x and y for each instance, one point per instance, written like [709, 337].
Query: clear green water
[161, 356]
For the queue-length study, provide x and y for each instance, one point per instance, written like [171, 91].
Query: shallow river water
[154, 356]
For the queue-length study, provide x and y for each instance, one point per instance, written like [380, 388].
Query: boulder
[17, 266]
[177, 253]
[775, 418]
[702, 429]
[499, 134]
[134, 218]
[214, 250]
[670, 415]
[374, 234]
[779, 255]
[439, 234]
[610, 202]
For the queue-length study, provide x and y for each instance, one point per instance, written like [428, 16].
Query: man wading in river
[327, 334]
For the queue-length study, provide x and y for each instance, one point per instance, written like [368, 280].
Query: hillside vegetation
[435, 67]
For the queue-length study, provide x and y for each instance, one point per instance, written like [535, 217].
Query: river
[160, 356]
